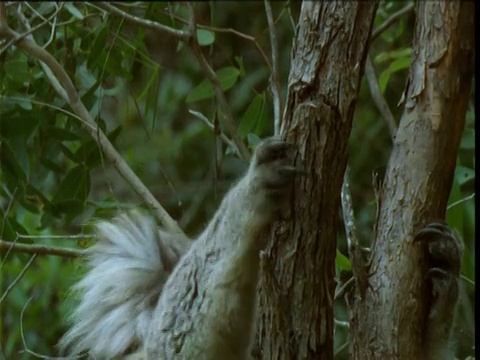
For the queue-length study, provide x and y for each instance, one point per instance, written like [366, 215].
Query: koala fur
[152, 295]
[444, 255]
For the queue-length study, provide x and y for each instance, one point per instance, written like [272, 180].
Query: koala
[148, 294]
[444, 255]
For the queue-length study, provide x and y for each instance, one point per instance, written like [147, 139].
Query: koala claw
[443, 247]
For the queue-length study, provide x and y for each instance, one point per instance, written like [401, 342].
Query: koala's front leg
[444, 254]
[271, 175]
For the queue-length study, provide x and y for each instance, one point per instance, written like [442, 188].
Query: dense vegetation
[144, 90]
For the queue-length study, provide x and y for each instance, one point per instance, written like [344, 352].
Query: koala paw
[444, 254]
[444, 248]
[272, 171]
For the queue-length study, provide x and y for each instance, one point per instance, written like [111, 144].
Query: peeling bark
[297, 285]
[387, 323]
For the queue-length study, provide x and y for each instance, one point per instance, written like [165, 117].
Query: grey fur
[206, 308]
[444, 251]
[127, 268]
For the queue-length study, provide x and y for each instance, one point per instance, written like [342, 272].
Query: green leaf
[21, 100]
[251, 116]
[205, 37]
[241, 66]
[468, 140]
[85, 78]
[253, 140]
[227, 76]
[464, 174]
[70, 207]
[10, 163]
[399, 64]
[61, 134]
[75, 186]
[383, 80]
[342, 262]
[18, 70]
[73, 10]
[392, 55]
[114, 91]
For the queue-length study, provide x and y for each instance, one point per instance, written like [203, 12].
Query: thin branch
[70, 94]
[341, 288]
[30, 30]
[378, 98]
[344, 324]
[274, 78]
[219, 94]
[391, 20]
[190, 38]
[70, 237]
[24, 341]
[5, 214]
[39, 249]
[359, 269]
[471, 196]
[179, 34]
[17, 279]
[348, 214]
[467, 280]
[224, 138]
[228, 31]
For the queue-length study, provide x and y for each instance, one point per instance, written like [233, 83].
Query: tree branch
[378, 98]
[39, 249]
[228, 122]
[190, 38]
[17, 279]
[224, 138]
[391, 20]
[179, 34]
[274, 78]
[71, 96]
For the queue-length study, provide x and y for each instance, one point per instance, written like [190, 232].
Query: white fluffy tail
[126, 270]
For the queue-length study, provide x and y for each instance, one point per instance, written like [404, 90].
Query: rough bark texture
[387, 322]
[297, 285]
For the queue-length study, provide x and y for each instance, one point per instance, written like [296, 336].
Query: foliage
[139, 86]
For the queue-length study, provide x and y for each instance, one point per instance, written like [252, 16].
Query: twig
[230, 31]
[347, 210]
[340, 289]
[25, 23]
[471, 196]
[5, 214]
[224, 138]
[70, 94]
[73, 237]
[190, 38]
[22, 334]
[274, 78]
[378, 98]
[359, 269]
[391, 20]
[17, 279]
[344, 324]
[179, 34]
[39, 249]
[219, 94]
[30, 30]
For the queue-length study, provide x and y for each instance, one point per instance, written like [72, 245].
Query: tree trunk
[297, 284]
[387, 319]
